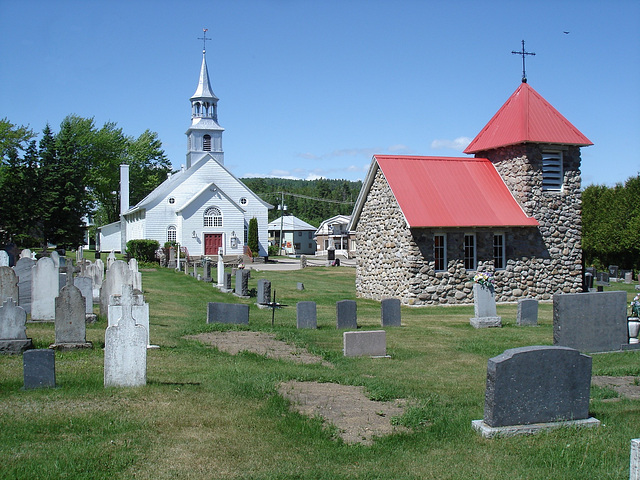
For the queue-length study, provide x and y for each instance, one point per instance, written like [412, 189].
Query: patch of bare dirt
[628, 387]
[357, 418]
[261, 343]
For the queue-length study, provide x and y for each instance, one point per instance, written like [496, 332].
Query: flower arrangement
[635, 306]
[484, 278]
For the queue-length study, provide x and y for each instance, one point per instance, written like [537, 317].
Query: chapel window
[440, 251]
[206, 143]
[470, 251]
[498, 250]
[212, 217]
[171, 234]
[552, 171]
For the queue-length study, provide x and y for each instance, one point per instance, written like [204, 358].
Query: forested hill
[339, 196]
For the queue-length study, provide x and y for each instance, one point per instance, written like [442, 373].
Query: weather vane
[204, 39]
[523, 53]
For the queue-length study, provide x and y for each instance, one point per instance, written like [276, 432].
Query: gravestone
[634, 464]
[346, 314]
[306, 315]
[390, 315]
[39, 368]
[628, 277]
[8, 284]
[536, 387]
[139, 311]
[221, 279]
[13, 328]
[233, 313]
[55, 256]
[226, 286]
[264, 292]
[45, 285]
[613, 272]
[85, 285]
[371, 343]
[23, 271]
[242, 283]
[4, 258]
[195, 270]
[207, 270]
[590, 322]
[110, 259]
[484, 307]
[96, 272]
[70, 318]
[527, 312]
[172, 258]
[136, 275]
[26, 253]
[117, 276]
[602, 279]
[125, 348]
[300, 286]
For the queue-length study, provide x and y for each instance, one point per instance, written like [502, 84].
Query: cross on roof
[523, 53]
[204, 39]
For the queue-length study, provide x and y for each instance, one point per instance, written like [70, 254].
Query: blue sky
[313, 89]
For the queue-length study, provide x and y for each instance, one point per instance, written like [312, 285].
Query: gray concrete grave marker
[527, 312]
[23, 269]
[26, 253]
[634, 463]
[85, 284]
[234, 313]
[306, 315]
[118, 275]
[125, 349]
[346, 314]
[206, 265]
[39, 368]
[372, 343]
[8, 284]
[139, 312]
[300, 286]
[590, 322]
[13, 328]
[264, 292]
[484, 307]
[110, 259]
[390, 314]
[533, 388]
[70, 318]
[242, 283]
[44, 290]
[4, 258]
[221, 279]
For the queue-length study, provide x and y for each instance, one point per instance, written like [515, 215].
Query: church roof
[526, 117]
[446, 192]
[204, 86]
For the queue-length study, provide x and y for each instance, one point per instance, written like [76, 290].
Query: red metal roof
[526, 117]
[451, 192]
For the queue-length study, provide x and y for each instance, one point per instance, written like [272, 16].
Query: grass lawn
[207, 414]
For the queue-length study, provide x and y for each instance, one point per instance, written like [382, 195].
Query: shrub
[253, 237]
[142, 250]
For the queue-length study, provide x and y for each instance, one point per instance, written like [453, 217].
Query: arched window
[171, 234]
[212, 217]
[206, 143]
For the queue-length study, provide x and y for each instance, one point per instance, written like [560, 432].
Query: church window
[498, 250]
[172, 200]
[197, 108]
[440, 251]
[212, 217]
[243, 201]
[171, 234]
[552, 171]
[469, 251]
[206, 143]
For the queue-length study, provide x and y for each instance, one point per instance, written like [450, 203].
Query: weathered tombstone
[242, 283]
[346, 314]
[628, 277]
[195, 270]
[85, 285]
[45, 286]
[590, 322]
[300, 286]
[527, 312]
[55, 256]
[484, 307]
[118, 275]
[306, 315]
[534, 388]
[371, 343]
[136, 275]
[390, 315]
[39, 368]
[172, 258]
[110, 259]
[4, 258]
[70, 317]
[234, 313]
[221, 279]
[13, 329]
[8, 284]
[206, 265]
[634, 464]
[96, 272]
[23, 271]
[264, 292]
[139, 312]
[226, 286]
[125, 348]
[26, 253]
[79, 254]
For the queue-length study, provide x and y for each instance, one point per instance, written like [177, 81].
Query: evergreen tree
[253, 237]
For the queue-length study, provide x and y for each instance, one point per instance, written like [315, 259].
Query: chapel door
[212, 241]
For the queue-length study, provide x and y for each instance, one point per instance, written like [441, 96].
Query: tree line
[611, 225]
[50, 187]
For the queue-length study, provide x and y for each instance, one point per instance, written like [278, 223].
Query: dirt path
[628, 387]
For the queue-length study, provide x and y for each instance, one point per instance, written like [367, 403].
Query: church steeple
[204, 136]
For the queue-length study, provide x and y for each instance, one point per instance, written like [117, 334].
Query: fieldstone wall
[395, 261]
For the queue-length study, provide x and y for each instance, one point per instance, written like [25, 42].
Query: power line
[310, 198]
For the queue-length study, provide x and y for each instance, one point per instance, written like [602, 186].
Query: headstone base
[511, 430]
[70, 346]
[241, 296]
[15, 346]
[225, 290]
[485, 322]
[630, 346]
[90, 318]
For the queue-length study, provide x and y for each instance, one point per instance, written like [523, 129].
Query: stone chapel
[426, 225]
[203, 207]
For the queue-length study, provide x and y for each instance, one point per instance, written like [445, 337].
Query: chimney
[124, 188]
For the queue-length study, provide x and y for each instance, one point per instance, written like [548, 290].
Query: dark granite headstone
[390, 312]
[207, 270]
[234, 313]
[306, 315]
[242, 283]
[227, 281]
[537, 384]
[602, 279]
[590, 322]
[346, 314]
[264, 292]
[527, 312]
[39, 368]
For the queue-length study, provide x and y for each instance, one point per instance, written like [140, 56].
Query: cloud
[458, 144]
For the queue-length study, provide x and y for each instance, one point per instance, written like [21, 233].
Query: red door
[212, 241]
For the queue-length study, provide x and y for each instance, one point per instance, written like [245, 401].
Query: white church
[202, 207]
